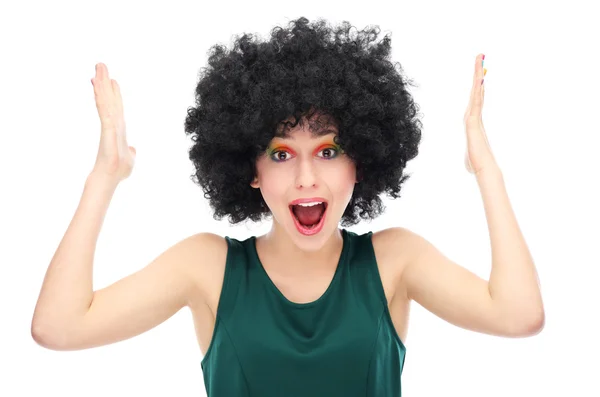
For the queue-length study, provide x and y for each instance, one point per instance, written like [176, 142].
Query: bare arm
[70, 316]
[67, 291]
[509, 304]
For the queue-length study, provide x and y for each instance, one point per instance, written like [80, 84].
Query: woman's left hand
[479, 154]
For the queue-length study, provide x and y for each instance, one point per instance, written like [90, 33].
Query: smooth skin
[70, 315]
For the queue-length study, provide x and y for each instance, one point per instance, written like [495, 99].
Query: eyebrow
[320, 135]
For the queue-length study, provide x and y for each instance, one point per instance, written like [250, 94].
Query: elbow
[40, 336]
[538, 323]
[48, 337]
[527, 325]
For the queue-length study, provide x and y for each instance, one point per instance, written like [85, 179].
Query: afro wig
[244, 96]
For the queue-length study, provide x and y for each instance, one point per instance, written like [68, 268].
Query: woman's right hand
[115, 158]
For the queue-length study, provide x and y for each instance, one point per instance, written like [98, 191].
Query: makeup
[279, 148]
[283, 148]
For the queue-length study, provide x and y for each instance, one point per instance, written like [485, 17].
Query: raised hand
[479, 153]
[115, 158]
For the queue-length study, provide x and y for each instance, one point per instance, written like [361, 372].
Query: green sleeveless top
[342, 344]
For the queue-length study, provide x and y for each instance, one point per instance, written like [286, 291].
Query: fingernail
[484, 71]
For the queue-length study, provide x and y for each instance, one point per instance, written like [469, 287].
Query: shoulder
[203, 256]
[397, 242]
[211, 243]
[201, 249]
[395, 248]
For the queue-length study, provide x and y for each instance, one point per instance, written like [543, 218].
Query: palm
[115, 158]
[479, 153]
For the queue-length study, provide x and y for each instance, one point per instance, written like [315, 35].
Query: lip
[309, 200]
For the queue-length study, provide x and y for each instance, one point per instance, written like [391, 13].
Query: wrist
[101, 180]
[489, 172]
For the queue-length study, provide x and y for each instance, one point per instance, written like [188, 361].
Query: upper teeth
[310, 204]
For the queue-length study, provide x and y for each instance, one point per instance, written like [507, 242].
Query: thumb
[132, 151]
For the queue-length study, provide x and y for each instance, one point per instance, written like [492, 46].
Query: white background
[540, 115]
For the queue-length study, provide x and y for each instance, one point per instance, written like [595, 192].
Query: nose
[306, 175]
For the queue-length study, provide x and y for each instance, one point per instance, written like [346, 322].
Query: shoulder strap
[364, 266]
[235, 267]
[376, 282]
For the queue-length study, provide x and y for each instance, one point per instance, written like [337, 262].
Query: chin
[314, 242]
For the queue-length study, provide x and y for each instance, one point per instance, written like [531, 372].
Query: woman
[308, 128]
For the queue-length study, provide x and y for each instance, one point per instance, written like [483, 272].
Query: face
[304, 166]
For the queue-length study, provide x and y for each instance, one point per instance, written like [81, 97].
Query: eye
[329, 152]
[279, 156]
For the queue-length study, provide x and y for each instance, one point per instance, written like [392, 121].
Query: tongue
[308, 215]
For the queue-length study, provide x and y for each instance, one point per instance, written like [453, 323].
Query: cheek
[271, 189]
[342, 183]
[272, 183]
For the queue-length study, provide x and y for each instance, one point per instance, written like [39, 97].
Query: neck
[292, 259]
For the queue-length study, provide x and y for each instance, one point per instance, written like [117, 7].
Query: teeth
[310, 204]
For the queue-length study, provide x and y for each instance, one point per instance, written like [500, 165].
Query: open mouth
[309, 218]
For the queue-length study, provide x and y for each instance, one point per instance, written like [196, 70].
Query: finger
[477, 75]
[472, 92]
[475, 101]
[482, 72]
[104, 95]
[118, 104]
[99, 92]
[102, 73]
[107, 91]
[483, 89]
[117, 94]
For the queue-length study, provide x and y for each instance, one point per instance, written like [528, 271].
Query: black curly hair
[244, 96]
